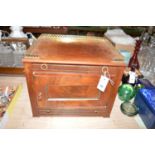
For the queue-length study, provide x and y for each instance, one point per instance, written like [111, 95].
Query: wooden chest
[63, 72]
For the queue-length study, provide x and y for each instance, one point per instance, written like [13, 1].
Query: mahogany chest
[63, 72]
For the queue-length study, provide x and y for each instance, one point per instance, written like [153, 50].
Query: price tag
[102, 83]
[132, 77]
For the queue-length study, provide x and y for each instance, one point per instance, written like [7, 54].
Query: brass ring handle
[48, 111]
[44, 66]
[104, 69]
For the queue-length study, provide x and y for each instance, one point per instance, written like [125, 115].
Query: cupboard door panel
[73, 92]
[69, 90]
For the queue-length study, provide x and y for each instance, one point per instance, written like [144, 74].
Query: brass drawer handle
[96, 111]
[44, 66]
[48, 111]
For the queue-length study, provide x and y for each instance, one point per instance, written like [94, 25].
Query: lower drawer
[74, 112]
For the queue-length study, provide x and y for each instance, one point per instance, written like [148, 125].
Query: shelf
[11, 70]
[45, 29]
[24, 40]
[9, 40]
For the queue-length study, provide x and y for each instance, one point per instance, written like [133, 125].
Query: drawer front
[73, 68]
[74, 112]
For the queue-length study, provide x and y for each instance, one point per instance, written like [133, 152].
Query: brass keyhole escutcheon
[39, 96]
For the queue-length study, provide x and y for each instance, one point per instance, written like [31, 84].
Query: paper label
[102, 83]
[132, 77]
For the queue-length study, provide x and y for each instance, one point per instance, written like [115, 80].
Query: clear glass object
[19, 54]
[11, 54]
[146, 59]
